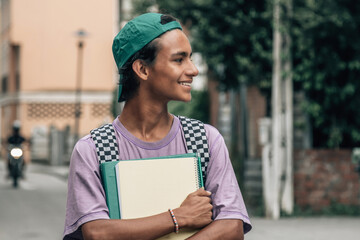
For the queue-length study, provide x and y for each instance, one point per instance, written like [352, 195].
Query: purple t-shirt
[86, 197]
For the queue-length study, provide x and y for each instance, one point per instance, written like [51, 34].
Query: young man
[154, 59]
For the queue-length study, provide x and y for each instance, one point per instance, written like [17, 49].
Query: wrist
[176, 225]
[182, 222]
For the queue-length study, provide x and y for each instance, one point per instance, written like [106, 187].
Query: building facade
[56, 56]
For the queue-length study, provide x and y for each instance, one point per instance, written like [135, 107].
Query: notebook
[144, 187]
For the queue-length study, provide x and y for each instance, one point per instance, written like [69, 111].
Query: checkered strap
[105, 142]
[196, 140]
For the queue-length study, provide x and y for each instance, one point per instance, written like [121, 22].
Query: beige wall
[45, 31]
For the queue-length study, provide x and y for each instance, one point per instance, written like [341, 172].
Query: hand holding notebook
[147, 187]
[198, 206]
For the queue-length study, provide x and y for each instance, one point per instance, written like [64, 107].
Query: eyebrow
[183, 54]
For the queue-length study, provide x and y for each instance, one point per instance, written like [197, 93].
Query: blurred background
[278, 78]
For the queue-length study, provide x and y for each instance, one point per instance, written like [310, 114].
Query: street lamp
[80, 34]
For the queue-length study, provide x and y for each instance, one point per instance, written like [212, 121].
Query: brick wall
[325, 176]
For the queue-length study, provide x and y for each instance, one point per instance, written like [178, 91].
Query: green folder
[108, 175]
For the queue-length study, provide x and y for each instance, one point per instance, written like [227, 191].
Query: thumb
[203, 192]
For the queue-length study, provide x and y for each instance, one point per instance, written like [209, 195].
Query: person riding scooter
[15, 157]
[16, 137]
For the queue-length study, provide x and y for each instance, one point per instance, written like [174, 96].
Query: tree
[327, 68]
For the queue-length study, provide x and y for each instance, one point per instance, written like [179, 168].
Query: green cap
[135, 35]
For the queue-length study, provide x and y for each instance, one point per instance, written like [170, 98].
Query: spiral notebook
[145, 187]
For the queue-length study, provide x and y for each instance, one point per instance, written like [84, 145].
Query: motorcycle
[16, 163]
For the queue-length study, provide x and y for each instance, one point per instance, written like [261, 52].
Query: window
[4, 84]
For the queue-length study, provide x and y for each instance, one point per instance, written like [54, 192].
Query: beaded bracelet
[174, 220]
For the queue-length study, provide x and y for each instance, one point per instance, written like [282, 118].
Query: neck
[146, 120]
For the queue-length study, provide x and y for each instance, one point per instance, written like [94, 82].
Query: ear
[140, 69]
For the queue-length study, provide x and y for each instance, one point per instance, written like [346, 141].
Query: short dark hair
[128, 77]
[148, 54]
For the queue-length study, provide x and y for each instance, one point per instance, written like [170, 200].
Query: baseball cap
[136, 34]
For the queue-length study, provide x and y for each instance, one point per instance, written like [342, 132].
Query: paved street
[37, 209]
[309, 228]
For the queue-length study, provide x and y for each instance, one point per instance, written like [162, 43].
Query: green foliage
[335, 209]
[235, 38]
[197, 108]
[326, 66]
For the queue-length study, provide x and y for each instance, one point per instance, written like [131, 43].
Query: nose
[192, 69]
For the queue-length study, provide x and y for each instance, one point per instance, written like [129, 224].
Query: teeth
[185, 84]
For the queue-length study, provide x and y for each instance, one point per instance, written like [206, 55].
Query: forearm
[229, 229]
[194, 212]
[142, 228]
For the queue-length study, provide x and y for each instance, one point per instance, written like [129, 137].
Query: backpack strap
[194, 133]
[196, 140]
[105, 142]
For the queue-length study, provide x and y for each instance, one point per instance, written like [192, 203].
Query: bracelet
[174, 220]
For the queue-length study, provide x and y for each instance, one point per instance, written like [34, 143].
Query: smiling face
[171, 76]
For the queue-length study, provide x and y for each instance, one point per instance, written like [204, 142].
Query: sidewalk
[57, 171]
[305, 228]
